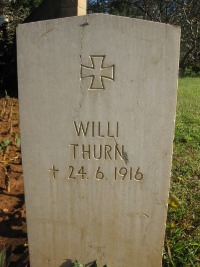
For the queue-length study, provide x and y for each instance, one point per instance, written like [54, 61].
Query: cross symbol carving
[53, 170]
[97, 72]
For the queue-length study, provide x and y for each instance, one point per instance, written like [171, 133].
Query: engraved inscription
[96, 129]
[53, 170]
[99, 174]
[97, 72]
[110, 150]
[98, 152]
[118, 174]
[80, 173]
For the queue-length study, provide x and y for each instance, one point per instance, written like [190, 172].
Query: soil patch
[12, 207]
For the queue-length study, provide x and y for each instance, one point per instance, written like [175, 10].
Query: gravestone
[97, 109]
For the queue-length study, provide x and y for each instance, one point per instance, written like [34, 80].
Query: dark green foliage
[3, 145]
[3, 257]
[12, 13]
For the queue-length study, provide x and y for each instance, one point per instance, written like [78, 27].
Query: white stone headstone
[97, 109]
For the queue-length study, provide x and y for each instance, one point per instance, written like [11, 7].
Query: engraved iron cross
[97, 72]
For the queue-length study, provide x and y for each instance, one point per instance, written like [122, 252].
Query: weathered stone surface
[99, 192]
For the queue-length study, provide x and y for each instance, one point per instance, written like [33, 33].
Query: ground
[12, 207]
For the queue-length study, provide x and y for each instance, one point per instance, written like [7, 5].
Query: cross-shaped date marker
[53, 170]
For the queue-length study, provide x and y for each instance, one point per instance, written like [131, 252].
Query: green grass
[182, 244]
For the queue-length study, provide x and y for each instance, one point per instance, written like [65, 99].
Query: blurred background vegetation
[12, 12]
